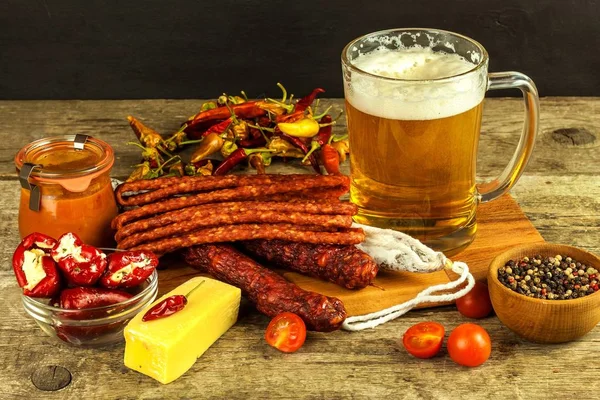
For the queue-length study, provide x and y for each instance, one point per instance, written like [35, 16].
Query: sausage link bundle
[346, 266]
[297, 188]
[271, 293]
[169, 214]
[205, 211]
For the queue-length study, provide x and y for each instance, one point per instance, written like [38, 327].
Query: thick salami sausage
[346, 266]
[271, 293]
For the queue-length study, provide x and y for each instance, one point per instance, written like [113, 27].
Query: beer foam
[415, 63]
[414, 96]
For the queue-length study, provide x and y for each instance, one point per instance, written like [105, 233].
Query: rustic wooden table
[559, 192]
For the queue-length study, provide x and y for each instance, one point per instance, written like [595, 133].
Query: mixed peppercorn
[553, 278]
[239, 131]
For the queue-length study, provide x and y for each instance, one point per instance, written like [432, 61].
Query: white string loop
[397, 251]
[360, 322]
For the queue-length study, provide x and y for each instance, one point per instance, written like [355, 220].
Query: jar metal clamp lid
[31, 171]
[35, 196]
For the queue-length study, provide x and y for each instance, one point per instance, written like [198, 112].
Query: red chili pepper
[263, 121]
[331, 159]
[195, 132]
[38, 241]
[306, 101]
[251, 143]
[234, 159]
[168, 306]
[322, 137]
[299, 143]
[88, 299]
[254, 133]
[153, 163]
[218, 128]
[81, 263]
[127, 269]
[324, 134]
[249, 110]
[81, 298]
[293, 117]
[34, 269]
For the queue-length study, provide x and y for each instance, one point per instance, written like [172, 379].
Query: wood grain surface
[559, 193]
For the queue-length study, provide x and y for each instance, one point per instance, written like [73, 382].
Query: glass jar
[66, 187]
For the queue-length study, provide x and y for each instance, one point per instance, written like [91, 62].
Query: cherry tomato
[424, 339]
[469, 345]
[476, 303]
[286, 332]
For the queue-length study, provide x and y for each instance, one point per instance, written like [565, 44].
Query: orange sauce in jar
[75, 189]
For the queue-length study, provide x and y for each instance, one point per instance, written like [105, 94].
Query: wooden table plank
[26, 120]
[559, 192]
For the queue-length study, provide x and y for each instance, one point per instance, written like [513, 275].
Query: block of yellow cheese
[166, 348]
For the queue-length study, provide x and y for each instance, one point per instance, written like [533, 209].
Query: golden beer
[417, 176]
[414, 99]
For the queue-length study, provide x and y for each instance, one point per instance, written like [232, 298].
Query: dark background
[61, 49]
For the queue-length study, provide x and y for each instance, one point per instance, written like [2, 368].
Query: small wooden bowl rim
[539, 249]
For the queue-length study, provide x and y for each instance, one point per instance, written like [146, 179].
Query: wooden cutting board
[501, 225]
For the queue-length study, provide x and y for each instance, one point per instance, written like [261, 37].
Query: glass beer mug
[414, 100]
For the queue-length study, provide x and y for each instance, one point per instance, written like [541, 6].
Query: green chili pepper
[148, 153]
[209, 105]
[228, 148]
[139, 172]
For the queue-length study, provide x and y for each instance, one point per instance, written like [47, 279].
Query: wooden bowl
[544, 321]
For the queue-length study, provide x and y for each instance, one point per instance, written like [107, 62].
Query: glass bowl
[91, 327]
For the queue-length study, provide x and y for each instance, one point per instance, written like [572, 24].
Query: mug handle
[514, 80]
